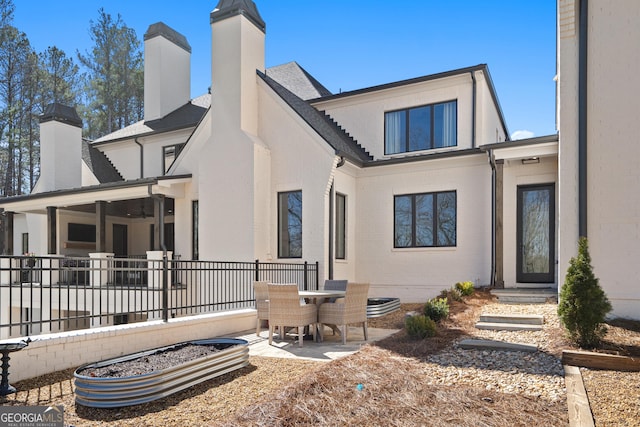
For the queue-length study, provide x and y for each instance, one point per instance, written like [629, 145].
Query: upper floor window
[425, 220]
[170, 152]
[421, 128]
[290, 224]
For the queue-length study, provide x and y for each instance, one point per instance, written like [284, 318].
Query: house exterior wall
[417, 274]
[300, 160]
[613, 215]
[363, 115]
[613, 208]
[125, 155]
[489, 126]
[345, 182]
[517, 174]
[568, 134]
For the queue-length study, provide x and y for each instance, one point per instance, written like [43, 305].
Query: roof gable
[324, 125]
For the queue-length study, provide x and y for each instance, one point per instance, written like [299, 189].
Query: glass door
[536, 234]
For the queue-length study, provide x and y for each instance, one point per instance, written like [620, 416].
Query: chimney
[60, 148]
[237, 51]
[167, 71]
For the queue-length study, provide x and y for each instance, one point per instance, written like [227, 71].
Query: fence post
[317, 275]
[257, 278]
[306, 282]
[165, 287]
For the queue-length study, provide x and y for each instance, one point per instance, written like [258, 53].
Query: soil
[158, 361]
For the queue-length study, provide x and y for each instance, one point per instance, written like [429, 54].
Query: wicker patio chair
[353, 309]
[261, 291]
[285, 309]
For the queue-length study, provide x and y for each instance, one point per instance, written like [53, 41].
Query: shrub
[420, 326]
[583, 304]
[465, 288]
[437, 309]
[451, 294]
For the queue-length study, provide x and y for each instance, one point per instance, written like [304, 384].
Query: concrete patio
[330, 349]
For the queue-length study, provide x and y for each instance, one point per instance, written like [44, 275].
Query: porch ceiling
[128, 199]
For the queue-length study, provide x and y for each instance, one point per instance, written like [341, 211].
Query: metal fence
[52, 294]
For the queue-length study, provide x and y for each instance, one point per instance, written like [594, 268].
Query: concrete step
[476, 344]
[526, 295]
[507, 326]
[528, 319]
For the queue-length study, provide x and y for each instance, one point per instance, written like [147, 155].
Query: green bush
[420, 326]
[583, 304]
[437, 309]
[465, 288]
[451, 294]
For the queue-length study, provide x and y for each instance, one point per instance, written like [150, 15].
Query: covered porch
[123, 219]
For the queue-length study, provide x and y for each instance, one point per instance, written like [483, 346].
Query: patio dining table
[317, 298]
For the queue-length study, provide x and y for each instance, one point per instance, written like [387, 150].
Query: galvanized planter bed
[111, 392]
[378, 307]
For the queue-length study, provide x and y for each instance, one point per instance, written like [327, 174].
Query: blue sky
[352, 44]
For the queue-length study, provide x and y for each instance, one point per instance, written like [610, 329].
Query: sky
[351, 44]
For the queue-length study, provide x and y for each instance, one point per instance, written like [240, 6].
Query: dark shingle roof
[99, 164]
[186, 116]
[296, 79]
[324, 125]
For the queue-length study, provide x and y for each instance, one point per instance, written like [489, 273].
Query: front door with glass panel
[536, 234]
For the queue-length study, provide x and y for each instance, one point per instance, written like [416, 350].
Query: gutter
[141, 156]
[473, 110]
[582, 119]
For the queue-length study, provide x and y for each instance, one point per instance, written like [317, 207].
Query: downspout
[141, 158]
[165, 261]
[492, 163]
[473, 110]
[331, 196]
[582, 120]
[331, 221]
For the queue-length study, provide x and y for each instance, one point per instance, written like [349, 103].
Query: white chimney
[167, 71]
[60, 148]
[237, 51]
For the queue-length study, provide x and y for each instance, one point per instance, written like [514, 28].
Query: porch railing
[53, 294]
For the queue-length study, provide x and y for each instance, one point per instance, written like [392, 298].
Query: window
[425, 220]
[170, 152]
[290, 224]
[25, 243]
[195, 252]
[341, 221]
[421, 128]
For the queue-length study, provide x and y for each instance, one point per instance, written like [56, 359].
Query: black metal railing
[53, 294]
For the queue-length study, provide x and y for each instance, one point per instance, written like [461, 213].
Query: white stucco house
[410, 186]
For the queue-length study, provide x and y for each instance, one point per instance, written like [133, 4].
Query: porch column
[499, 283]
[52, 231]
[101, 226]
[158, 222]
[8, 233]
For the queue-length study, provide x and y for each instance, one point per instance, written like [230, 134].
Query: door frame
[521, 276]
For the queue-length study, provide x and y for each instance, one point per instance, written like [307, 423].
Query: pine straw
[393, 394]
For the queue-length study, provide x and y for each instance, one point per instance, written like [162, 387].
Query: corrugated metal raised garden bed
[378, 307]
[149, 375]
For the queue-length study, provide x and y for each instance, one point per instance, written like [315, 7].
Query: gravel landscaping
[397, 381]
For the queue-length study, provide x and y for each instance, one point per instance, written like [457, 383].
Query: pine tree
[583, 304]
